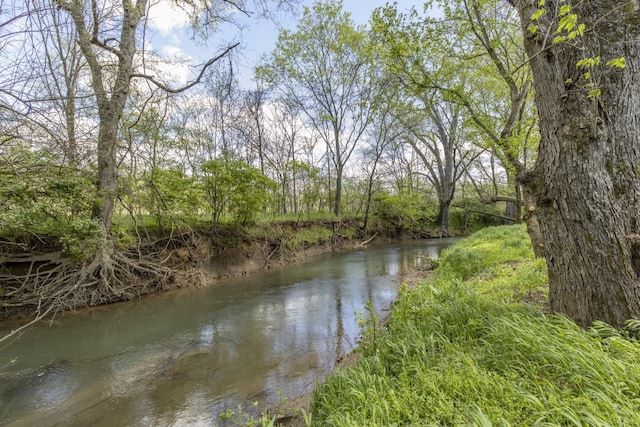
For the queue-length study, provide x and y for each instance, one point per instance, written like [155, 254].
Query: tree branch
[168, 89]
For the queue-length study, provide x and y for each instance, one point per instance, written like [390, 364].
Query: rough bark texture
[533, 226]
[587, 178]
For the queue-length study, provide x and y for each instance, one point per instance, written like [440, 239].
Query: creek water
[181, 358]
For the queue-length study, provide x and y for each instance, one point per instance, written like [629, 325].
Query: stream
[183, 357]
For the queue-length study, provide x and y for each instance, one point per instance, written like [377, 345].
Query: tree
[254, 130]
[234, 187]
[472, 57]
[587, 181]
[384, 131]
[493, 35]
[284, 151]
[324, 69]
[435, 136]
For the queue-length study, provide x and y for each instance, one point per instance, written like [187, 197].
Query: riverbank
[292, 412]
[475, 345]
[43, 282]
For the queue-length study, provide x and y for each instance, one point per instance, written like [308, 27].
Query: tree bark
[111, 99]
[443, 216]
[338, 200]
[533, 226]
[586, 182]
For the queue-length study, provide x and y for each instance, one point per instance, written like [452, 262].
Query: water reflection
[186, 356]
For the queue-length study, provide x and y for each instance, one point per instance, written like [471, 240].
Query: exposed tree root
[369, 240]
[36, 285]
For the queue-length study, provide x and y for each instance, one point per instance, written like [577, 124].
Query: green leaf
[594, 93]
[538, 14]
[573, 34]
[559, 39]
[617, 62]
[568, 22]
[588, 62]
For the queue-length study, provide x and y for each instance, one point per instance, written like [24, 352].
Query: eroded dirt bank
[36, 280]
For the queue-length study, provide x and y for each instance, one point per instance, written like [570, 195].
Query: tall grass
[463, 349]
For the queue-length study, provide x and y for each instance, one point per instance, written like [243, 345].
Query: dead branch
[369, 240]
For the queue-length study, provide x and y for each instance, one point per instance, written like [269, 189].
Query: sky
[171, 38]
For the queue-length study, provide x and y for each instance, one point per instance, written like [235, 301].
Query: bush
[82, 238]
[235, 188]
[40, 198]
[170, 193]
[403, 210]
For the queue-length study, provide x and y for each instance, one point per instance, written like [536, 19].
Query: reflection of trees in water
[339, 321]
[192, 357]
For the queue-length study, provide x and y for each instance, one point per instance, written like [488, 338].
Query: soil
[197, 259]
[39, 282]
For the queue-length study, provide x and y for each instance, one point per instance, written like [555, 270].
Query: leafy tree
[472, 57]
[307, 184]
[171, 193]
[499, 97]
[435, 134]
[384, 131]
[584, 58]
[324, 69]
[236, 188]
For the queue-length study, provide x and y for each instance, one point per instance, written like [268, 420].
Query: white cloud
[175, 66]
[175, 52]
[166, 18]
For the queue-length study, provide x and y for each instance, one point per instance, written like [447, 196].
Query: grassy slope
[462, 349]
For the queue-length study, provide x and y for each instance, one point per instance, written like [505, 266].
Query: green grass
[463, 349]
[313, 235]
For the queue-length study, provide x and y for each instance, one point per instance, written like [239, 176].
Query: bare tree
[435, 133]
[324, 69]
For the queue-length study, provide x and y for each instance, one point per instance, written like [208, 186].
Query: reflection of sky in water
[183, 357]
[53, 385]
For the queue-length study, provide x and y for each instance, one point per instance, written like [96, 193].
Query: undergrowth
[464, 349]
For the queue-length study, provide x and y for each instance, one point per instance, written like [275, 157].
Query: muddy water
[184, 357]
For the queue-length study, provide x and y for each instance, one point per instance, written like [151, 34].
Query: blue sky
[172, 38]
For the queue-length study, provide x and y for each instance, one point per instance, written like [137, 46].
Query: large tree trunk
[107, 171]
[587, 178]
[443, 216]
